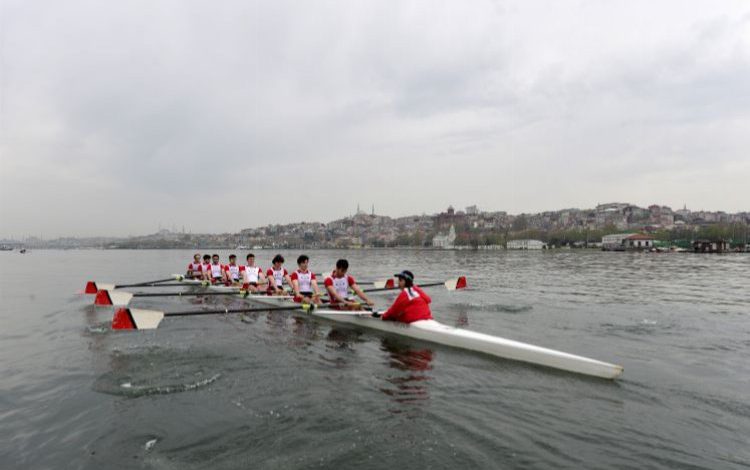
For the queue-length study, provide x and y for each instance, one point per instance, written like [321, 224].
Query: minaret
[373, 209]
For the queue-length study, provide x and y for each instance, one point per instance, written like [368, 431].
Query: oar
[140, 319]
[385, 284]
[93, 287]
[450, 284]
[118, 297]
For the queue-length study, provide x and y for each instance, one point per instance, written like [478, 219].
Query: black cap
[405, 275]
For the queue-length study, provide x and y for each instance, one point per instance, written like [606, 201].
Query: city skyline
[475, 209]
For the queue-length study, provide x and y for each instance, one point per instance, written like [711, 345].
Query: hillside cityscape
[467, 228]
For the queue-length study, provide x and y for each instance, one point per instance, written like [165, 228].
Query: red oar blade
[384, 284]
[136, 319]
[93, 287]
[454, 284]
[102, 298]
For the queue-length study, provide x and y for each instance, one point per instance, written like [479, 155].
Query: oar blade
[454, 284]
[384, 284]
[102, 298]
[119, 297]
[136, 319]
[106, 298]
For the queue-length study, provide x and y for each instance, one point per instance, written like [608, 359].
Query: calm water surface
[267, 390]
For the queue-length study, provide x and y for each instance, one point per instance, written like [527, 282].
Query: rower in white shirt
[252, 276]
[304, 284]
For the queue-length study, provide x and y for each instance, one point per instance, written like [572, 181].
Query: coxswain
[232, 271]
[411, 305]
[277, 274]
[304, 284]
[194, 270]
[215, 272]
[338, 285]
[251, 275]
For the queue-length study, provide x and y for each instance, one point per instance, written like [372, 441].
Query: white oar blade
[101, 286]
[119, 297]
[136, 319]
[458, 283]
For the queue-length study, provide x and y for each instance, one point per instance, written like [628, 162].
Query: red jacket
[410, 307]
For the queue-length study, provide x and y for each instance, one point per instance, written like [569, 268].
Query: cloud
[118, 117]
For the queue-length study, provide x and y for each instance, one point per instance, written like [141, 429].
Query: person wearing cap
[411, 305]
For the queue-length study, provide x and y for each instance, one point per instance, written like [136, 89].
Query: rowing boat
[439, 333]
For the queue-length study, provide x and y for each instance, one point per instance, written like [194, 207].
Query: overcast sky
[221, 115]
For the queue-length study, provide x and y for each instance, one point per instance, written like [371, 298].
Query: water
[266, 390]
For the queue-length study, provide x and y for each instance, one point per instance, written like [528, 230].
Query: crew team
[412, 303]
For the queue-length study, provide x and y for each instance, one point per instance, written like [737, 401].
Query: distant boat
[23, 250]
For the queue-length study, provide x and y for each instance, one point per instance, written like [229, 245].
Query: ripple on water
[490, 307]
[157, 372]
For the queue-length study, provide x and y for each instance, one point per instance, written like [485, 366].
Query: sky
[120, 117]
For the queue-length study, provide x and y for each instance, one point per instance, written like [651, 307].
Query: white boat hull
[436, 332]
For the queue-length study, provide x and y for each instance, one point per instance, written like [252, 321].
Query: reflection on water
[410, 379]
[342, 338]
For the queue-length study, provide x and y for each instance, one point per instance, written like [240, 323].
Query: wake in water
[157, 372]
[490, 307]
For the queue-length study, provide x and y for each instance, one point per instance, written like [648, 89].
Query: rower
[411, 305]
[232, 271]
[215, 272]
[303, 282]
[194, 270]
[252, 275]
[206, 267]
[338, 285]
[277, 274]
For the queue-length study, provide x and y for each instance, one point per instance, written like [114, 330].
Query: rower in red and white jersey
[338, 285]
[215, 272]
[304, 284]
[194, 270]
[277, 274]
[252, 275]
[206, 267]
[232, 271]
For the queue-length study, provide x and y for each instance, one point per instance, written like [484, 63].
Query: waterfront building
[627, 242]
[526, 245]
[445, 241]
[710, 246]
